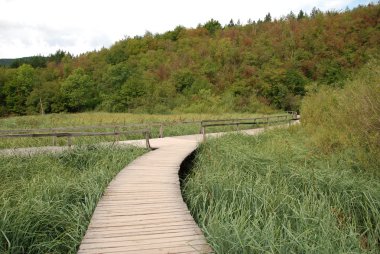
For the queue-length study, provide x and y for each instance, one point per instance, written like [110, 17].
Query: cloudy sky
[32, 27]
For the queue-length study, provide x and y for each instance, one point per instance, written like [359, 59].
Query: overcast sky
[32, 27]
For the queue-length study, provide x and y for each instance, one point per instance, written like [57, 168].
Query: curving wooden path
[142, 210]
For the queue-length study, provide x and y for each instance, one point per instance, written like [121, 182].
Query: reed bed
[46, 201]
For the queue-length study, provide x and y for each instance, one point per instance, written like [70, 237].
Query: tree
[79, 92]
[315, 12]
[268, 18]
[231, 23]
[183, 80]
[291, 16]
[212, 26]
[301, 15]
[19, 87]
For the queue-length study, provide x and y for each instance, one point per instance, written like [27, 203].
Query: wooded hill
[263, 65]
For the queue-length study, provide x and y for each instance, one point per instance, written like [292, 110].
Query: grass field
[102, 118]
[172, 126]
[46, 201]
[273, 194]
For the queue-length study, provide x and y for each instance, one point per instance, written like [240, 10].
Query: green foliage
[275, 60]
[34, 61]
[212, 26]
[347, 118]
[18, 88]
[268, 18]
[301, 15]
[183, 80]
[79, 92]
[272, 193]
[46, 201]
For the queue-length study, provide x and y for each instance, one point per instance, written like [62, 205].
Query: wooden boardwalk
[142, 210]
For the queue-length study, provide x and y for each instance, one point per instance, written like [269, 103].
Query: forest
[261, 66]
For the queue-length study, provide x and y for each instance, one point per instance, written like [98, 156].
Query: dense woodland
[263, 65]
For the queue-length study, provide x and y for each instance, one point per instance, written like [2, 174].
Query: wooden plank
[142, 210]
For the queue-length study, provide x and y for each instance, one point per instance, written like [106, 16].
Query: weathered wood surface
[142, 210]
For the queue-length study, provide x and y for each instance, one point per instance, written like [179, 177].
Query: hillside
[257, 67]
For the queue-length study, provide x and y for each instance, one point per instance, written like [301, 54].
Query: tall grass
[272, 194]
[314, 188]
[347, 118]
[102, 118]
[46, 201]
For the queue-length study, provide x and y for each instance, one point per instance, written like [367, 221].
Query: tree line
[262, 65]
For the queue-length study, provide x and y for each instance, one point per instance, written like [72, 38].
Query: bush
[347, 118]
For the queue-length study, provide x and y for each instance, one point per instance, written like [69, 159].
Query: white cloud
[44, 26]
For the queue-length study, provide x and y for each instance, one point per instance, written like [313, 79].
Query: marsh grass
[102, 118]
[172, 126]
[273, 194]
[46, 201]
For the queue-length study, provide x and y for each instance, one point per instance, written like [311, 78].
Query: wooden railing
[144, 128]
[70, 135]
[266, 121]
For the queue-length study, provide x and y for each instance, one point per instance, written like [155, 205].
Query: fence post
[267, 121]
[237, 126]
[117, 138]
[147, 140]
[69, 141]
[161, 135]
[204, 133]
[54, 139]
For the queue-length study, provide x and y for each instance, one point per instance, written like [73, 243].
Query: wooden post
[204, 133]
[117, 136]
[267, 121]
[237, 126]
[161, 131]
[69, 141]
[42, 108]
[54, 139]
[147, 140]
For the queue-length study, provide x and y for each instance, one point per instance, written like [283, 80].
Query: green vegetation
[103, 118]
[312, 188]
[46, 201]
[347, 119]
[236, 68]
[172, 127]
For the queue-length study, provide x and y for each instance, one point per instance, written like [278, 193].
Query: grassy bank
[272, 194]
[313, 188]
[46, 201]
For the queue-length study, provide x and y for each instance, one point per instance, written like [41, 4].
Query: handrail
[117, 129]
[69, 135]
[290, 116]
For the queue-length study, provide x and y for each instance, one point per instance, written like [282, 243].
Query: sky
[41, 27]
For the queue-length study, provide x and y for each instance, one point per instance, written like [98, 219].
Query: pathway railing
[144, 128]
[266, 121]
[70, 135]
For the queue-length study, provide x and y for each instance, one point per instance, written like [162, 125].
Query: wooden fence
[145, 128]
[70, 135]
[286, 118]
